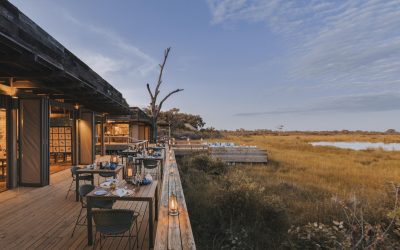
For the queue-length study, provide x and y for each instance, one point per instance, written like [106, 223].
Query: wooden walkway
[41, 218]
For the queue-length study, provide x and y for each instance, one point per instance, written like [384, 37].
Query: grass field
[307, 187]
[306, 178]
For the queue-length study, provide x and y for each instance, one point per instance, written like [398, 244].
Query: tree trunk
[154, 131]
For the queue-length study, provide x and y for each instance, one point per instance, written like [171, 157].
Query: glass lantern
[173, 205]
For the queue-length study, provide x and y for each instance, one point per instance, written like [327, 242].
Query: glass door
[3, 150]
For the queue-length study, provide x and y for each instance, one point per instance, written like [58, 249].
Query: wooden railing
[173, 232]
[121, 139]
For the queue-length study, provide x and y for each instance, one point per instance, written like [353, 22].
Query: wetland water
[360, 145]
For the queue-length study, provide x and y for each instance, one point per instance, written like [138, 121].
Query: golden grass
[305, 178]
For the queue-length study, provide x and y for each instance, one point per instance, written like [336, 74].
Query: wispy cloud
[112, 56]
[126, 57]
[385, 101]
[338, 44]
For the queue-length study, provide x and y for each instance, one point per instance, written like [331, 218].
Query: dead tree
[154, 107]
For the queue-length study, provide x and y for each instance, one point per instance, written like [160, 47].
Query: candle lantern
[130, 172]
[173, 205]
[114, 159]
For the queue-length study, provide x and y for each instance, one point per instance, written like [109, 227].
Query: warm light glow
[8, 90]
[173, 205]
[130, 173]
[76, 106]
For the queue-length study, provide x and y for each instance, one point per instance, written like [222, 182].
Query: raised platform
[228, 154]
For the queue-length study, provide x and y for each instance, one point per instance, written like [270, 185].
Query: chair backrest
[85, 189]
[150, 163]
[107, 219]
[73, 170]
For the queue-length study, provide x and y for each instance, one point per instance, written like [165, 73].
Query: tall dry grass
[305, 178]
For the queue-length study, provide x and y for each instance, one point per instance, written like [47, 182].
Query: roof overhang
[33, 62]
[136, 115]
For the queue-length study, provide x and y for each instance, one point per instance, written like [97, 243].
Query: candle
[173, 205]
[130, 174]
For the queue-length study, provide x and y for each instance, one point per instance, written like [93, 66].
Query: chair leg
[94, 240]
[130, 238]
[137, 234]
[76, 223]
[69, 189]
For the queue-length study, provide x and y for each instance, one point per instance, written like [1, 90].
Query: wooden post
[102, 128]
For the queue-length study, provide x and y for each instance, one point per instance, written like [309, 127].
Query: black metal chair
[105, 176]
[83, 177]
[151, 164]
[83, 191]
[115, 223]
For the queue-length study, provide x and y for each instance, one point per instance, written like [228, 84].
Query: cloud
[119, 57]
[331, 44]
[372, 102]
[112, 56]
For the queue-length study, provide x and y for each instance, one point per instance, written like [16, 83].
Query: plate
[100, 192]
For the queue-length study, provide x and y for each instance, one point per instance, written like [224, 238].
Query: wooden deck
[230, 155]
[41, 218]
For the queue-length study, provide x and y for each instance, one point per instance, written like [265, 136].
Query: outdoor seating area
[41, 218]
[56, 219]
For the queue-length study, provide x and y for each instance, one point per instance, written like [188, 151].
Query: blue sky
[308, 65]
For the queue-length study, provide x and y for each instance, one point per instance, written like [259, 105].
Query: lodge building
[54, 109]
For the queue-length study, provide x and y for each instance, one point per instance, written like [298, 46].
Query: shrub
[227, 209]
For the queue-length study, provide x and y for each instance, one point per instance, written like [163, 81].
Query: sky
[253, 64]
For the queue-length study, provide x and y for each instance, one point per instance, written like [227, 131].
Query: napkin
[120, 192]
[106, 184]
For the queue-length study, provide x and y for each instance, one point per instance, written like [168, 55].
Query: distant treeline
[244, 132]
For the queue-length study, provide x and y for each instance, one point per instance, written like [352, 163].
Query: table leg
[2, 169]
[156, 203]
[151, 225]
[77, 187]
[89, 221]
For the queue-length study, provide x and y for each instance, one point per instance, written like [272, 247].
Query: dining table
[145, 193]
[95, 170]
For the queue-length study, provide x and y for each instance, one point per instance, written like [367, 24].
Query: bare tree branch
[167, 96]
[151, 94]
[155, 108]
[166, 53]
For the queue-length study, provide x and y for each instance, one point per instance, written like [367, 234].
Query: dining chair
[151, 164]
[82, 177]
[115, 223]
[105, 176]
[83, 191]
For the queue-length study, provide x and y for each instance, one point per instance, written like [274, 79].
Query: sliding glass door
[3, 150]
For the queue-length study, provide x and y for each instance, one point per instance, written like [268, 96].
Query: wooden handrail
[173, 232]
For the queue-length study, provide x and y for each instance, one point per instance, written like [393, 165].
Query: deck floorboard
[41, 218]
